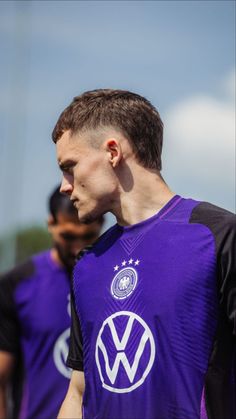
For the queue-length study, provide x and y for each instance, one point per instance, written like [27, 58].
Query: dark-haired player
[154, 318]
[35, 317]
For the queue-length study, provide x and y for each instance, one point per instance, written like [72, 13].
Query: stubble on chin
[87, 219]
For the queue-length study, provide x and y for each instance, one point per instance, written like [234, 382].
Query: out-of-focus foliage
[30, 241]
[27, 242]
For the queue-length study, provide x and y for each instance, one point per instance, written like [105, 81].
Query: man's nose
[66, 187]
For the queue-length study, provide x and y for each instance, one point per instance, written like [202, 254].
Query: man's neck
[147, 196]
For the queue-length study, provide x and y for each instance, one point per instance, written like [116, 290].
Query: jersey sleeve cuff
[75, 364]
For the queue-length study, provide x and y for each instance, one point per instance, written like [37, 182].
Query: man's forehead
[65, 138]
[66, 146]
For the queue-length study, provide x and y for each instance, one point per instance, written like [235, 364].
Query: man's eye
[68, 170]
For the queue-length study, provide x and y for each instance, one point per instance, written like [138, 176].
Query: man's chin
[70, 264]
[68, 261]
[86, 218]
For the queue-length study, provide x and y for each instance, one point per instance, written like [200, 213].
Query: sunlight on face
[87, 175]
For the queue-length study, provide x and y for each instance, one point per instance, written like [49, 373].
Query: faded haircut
[128, 113]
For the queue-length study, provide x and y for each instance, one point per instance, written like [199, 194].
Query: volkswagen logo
[125, 352]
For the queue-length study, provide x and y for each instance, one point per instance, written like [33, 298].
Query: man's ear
[50, 222]
[114, 149]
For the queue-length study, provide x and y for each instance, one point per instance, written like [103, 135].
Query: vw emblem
[60, 353]
[124, 283]
[125, 352]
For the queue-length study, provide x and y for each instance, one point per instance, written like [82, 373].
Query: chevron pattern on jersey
[129, 244]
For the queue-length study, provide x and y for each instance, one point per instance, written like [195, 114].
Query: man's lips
[75, 201]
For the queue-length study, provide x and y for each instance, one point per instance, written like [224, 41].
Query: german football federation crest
[125, 352]
[125, 281]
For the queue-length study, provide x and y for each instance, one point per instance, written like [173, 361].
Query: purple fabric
[203, 406]
[24, 402]
[146, 299]
[42, 307]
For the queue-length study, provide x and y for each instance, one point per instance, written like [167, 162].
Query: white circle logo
[60, 353]
[125, 352]
[124, 283]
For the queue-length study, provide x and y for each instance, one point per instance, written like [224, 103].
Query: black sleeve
[220, 380]
[9, 327]
[9, 324]
[75, 356]
[222, 224]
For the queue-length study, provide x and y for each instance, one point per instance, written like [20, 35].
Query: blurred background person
[35, 318]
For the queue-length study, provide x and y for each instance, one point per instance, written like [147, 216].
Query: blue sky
[179, 54]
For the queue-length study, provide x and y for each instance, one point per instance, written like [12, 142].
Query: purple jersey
[35, 319]
[156, 306]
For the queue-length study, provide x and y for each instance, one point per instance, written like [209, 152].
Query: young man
[154, 313]
[35, 317]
